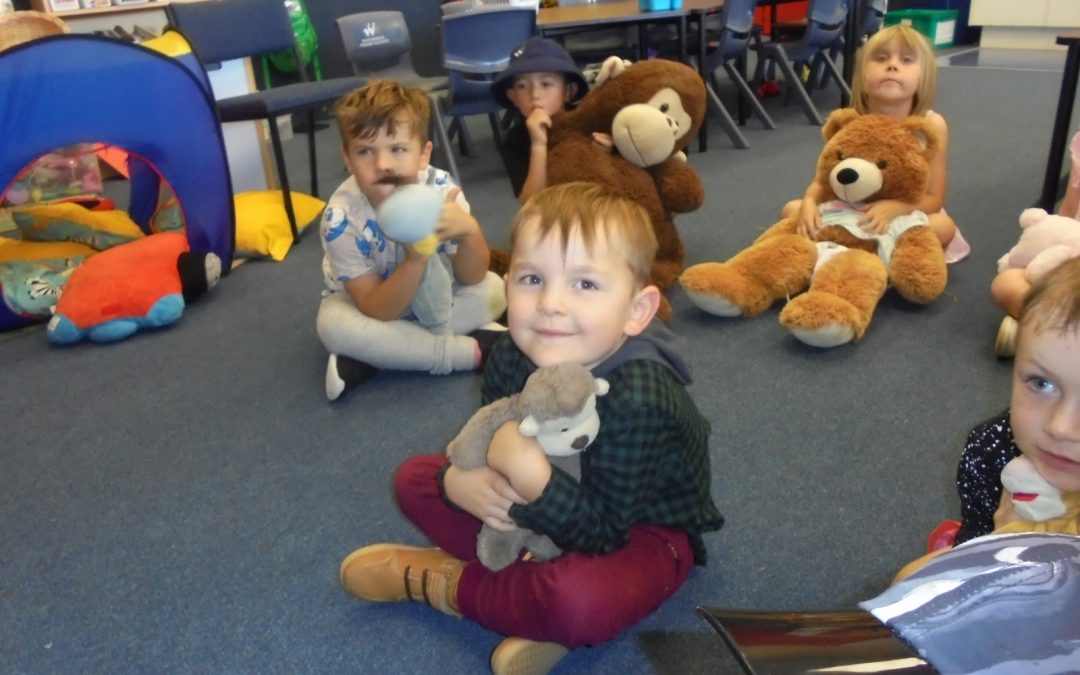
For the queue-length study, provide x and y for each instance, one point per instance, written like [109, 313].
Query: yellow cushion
[17, 249]
[67, 221]
[262, 228]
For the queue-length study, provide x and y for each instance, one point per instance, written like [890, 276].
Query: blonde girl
[896, 75]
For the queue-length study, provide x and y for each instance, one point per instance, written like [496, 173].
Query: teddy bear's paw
[917, 268]
[826, 337]
[714, 305]
[718, 289]
[822, 320]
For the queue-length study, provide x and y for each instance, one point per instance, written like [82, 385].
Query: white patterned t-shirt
[353, 244]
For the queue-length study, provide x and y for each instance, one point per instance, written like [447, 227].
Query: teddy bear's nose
[847, 176]
[580, 442]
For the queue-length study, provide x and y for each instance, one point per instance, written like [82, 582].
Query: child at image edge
[896, 75]
[631, 527]
[1009, 287]
[540, 81]
[1043, 419]
[364, 319]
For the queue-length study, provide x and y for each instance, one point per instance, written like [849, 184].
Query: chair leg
[726, 120]
[748, 96]
[496, 129]
[465, 144]
[312, 162]
[796, 88]
[283, 178]
[442, 138]
[832, 70]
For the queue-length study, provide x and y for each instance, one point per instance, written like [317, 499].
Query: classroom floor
[1012, 59]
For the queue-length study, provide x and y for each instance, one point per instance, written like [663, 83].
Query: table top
[1070, 38]
[615, 12]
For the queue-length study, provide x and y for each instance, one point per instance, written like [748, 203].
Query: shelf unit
[150, 15]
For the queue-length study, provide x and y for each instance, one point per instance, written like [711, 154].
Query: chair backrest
[873, 15]
[825, 23]
[480, 41]
[736, 26]
[221, 30]
[828, 13]
[377, 43]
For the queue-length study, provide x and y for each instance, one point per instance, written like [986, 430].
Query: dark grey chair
[223, 30]
[378, 45]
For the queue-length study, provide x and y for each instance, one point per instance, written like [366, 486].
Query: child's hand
[1005, 513]
[484, 493]
[538, 122]
[455, 222]
[521, 460]
[809, 219]
[880, 215]
[605, 141]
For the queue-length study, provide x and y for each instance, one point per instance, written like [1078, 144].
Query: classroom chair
[223, 30]
[825, 22]
[734, 31]
[476, 47]
[378, 45]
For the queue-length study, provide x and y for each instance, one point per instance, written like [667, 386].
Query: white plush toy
[409, 216]
[1032, 497]
[1046, 241]
[557, 406]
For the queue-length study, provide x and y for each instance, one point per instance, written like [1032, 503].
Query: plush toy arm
[578, 158]
[469, 449]
[1046, 261]
[679, 185]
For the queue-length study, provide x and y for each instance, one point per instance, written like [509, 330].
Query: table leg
[1061, 128]
[703, 134]
[851, 45]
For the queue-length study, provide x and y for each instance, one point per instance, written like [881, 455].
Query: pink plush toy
[1046, 242]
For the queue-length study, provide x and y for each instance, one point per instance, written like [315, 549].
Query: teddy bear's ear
[529, 426]
[612, 67]
[1031, 217]
[837, 120]
[920, 128]
[602, 386]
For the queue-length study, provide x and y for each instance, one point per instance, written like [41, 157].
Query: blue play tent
[68, 89]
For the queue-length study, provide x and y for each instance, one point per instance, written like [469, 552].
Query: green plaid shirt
[649, 463]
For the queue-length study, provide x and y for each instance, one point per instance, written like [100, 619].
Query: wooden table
[1059, 137]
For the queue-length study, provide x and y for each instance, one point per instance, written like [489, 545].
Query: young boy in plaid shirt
[631, 526]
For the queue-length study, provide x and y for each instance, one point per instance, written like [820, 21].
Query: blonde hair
[363, 112]
[907, 38]
[1053, 303]
[586, 208]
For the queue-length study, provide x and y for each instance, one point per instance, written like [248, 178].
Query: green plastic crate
[938, 25]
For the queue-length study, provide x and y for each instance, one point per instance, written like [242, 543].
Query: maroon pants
[576, 599]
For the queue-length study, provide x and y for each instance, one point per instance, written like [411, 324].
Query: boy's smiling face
[1045, 409]
[545, 91]
[381, 163]
[573, 306]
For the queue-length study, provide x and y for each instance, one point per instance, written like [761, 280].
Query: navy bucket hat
[538, 55]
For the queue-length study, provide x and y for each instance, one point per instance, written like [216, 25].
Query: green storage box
[938, 25]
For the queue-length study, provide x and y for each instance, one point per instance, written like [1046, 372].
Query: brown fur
[846, 290]
[664, 189]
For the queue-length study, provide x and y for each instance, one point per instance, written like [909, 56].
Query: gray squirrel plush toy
[557, 406]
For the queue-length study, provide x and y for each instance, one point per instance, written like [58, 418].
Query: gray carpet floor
[179, 501]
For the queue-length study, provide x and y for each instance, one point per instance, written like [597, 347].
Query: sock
[485, 340]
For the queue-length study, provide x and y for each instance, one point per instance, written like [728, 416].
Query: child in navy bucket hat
[540, 81]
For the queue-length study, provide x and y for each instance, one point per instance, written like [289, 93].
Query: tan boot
[1005, 344]
[518, 656]
[395, 573]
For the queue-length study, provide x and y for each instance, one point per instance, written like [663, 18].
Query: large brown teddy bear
[652, 109]
[866, 158]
